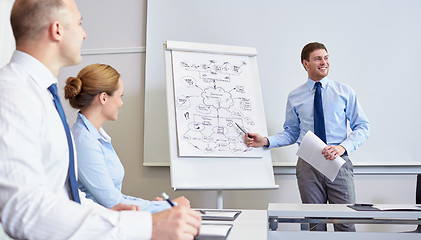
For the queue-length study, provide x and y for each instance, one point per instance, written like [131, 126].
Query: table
[337, 213]
[300, 235]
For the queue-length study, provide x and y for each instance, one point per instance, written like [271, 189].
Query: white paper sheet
[212, 92]
[214, 230]
[398, 207]
[219, 215]
[310, 150]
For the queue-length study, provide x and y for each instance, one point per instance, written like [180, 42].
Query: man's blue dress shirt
[100, 171]
[340, 105]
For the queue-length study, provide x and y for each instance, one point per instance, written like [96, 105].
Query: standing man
[323, 106]
[36, 149]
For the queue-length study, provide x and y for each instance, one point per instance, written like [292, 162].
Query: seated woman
[97, 91]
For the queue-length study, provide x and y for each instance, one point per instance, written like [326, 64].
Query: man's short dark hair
[309, 48]
[29, 17]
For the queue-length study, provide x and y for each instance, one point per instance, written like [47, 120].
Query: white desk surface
[336, 210]
[250, 224]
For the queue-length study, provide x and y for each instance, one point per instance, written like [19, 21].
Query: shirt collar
[100, 135]
[33, 67]
[310, 83]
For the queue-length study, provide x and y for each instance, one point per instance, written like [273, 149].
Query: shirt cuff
[269, 141]
[349, 147]
[135, 225]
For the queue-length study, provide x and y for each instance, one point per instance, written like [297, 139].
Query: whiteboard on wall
[373, 47]
[209, 87]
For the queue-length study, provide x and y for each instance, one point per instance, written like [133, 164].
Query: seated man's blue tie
[319, 120]
[71, 171]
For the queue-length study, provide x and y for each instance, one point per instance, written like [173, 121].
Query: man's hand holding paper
[332, 152]
[311, 149]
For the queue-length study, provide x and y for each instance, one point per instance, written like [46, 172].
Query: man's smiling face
[318, 64]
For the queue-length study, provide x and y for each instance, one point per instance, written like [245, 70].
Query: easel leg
[220, 200]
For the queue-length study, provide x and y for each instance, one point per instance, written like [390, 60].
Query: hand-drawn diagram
[212, 93]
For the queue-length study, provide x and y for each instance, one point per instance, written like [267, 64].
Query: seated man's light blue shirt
[340, 105]
[100, 172]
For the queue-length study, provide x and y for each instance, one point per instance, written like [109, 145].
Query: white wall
[7, 42]
[120, 26]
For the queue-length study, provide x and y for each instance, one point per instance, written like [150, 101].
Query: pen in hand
[244, 131]
[167, 198]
